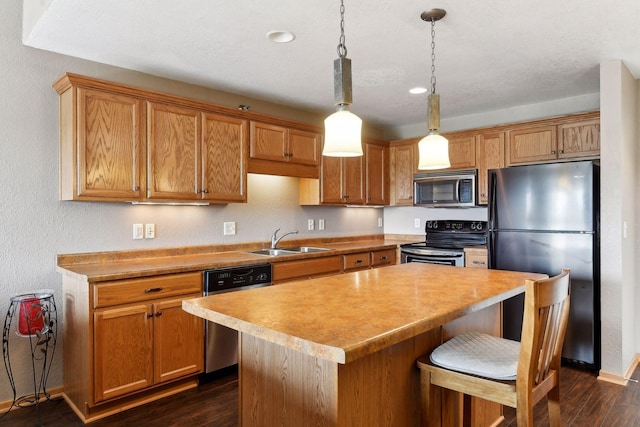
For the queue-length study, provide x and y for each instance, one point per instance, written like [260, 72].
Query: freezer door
[555, 196]
[548, 253]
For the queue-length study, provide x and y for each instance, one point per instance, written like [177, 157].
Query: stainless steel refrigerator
[543, 218]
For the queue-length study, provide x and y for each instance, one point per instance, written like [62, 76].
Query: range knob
[476, 226]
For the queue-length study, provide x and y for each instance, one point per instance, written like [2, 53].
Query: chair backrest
[546, 311]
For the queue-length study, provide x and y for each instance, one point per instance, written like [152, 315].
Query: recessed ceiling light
[417, 90]
[281, 36]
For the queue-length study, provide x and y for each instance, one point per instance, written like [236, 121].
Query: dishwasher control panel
[227, 279]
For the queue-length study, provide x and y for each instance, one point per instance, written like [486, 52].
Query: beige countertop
[103, 266]
[347, 316]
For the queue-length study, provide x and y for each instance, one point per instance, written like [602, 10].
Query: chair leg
[430, 396]
[553, 402]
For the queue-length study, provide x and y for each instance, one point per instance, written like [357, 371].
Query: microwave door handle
[458, 190]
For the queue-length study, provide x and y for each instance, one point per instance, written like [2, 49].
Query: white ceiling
[490, 54]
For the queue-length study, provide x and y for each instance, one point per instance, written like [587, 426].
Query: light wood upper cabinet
[376, 174]
[281, 144]
[534, 144]
[490, 155]
[173, 139]
[224, 158]
[579, 139]
[341, 180]
[462, 151]
[404, 163]
[101, 146]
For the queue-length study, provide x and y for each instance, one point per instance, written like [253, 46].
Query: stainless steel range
[445, 242]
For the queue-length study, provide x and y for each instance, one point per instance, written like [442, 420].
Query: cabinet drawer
[387, 257]
[135, 290]
[357, 261]
[306, 268]
[475, 261]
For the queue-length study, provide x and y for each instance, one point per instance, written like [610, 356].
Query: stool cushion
[479, 354]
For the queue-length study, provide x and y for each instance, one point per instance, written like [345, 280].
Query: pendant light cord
[342, 47]
[433, 56]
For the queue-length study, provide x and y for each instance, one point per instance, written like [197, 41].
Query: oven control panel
[453, 226]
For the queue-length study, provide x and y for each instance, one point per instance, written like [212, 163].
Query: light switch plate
[416, 222]
[137, 231]
[229, 228]
[379, 222]
[310, 224]
[321, 224]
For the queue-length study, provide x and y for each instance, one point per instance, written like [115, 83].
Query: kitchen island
[341, 350]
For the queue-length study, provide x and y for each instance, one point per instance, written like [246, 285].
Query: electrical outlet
[416, 222]
[379, 222]
[137, 231]
[321, 224]
[229, 228]
[149, 231]
[310, 224]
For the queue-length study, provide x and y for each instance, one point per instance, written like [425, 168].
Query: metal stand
[37, 320]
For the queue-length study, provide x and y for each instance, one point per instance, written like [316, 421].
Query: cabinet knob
[158, 313]
[383, 258]
[205, 191]
[136, 188]
[149, 315]
[553, 151]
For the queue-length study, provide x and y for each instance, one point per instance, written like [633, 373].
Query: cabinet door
[377, 174]
[224, 159]
[530, 145]
[353, 180]
[331, 180]
[110, 146]
[462, 152]
[404, 163]
[268, 142]
[178, 341]
[490, 153]
[579, 139]
[304, 147]
[173, 145]
[122, 351]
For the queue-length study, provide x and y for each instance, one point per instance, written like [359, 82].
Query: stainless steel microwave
[456, 188]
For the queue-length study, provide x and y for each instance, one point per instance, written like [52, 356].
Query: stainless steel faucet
[275, 239]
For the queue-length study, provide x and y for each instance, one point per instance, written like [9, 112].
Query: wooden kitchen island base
[342, 350]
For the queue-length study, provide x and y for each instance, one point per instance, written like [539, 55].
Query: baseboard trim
[614, 378]
[54, 393]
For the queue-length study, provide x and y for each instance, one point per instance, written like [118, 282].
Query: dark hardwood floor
[585, 401]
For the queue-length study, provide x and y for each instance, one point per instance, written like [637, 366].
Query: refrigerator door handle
[492, 200]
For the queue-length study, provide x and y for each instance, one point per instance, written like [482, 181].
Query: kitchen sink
[306, 249]
[273, 252]
[288, 251]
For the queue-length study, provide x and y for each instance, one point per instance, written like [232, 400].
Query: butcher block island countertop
[341, 350]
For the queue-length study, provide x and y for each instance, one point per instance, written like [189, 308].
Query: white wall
[36, 226]
[619, 136]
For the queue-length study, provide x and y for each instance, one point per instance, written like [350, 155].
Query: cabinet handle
[205, 191]
[149, 290]
[136, 188]
[158, 313]
[553, 151]
[561, 151]
[149, 315]
[358, 261]
[383, 258]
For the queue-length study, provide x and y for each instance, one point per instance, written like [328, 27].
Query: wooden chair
[535, 362]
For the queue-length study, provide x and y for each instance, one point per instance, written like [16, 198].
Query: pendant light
[342, 129]
[433, 149]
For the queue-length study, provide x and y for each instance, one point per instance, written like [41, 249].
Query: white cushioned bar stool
[511, 373]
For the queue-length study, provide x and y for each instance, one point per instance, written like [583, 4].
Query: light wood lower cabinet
[475, 258]
[287, 271]
[128, 341]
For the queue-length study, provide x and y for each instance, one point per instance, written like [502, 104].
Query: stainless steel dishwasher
[221, 343]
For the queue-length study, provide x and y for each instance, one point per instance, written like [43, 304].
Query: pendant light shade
[342, 135]
[433, 149]
[433, 152]
[342, 129]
